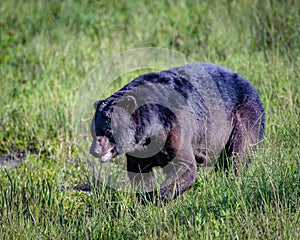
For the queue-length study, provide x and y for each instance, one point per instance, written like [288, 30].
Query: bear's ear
[128, 103]
[97, 103]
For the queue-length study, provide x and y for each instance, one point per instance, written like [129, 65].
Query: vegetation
[47, 49]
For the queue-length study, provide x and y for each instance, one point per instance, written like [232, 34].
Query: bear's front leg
[180, 173]
[140, 174]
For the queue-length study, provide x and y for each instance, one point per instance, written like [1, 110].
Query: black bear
[198, 114]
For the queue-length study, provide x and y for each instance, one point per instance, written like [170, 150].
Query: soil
[12, 159]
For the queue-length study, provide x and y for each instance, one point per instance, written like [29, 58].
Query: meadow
[48, 48]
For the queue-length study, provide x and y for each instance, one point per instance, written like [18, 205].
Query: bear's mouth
[112, 153]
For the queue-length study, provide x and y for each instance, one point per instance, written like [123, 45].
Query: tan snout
[102, 148]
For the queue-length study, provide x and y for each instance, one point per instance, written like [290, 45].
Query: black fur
[178, 119]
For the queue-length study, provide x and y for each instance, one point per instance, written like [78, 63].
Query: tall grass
[47, 48]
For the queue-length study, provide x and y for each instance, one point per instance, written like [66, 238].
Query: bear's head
[113, 128]
[120, 125]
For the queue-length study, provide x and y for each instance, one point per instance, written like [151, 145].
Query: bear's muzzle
[102, 149]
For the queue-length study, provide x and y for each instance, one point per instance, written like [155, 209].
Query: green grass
[48, 48]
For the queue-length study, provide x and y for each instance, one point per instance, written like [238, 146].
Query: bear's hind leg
[248, 130]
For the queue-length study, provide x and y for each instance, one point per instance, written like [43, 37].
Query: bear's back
[203, 85]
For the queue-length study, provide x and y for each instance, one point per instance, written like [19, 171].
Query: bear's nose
[94, 153]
